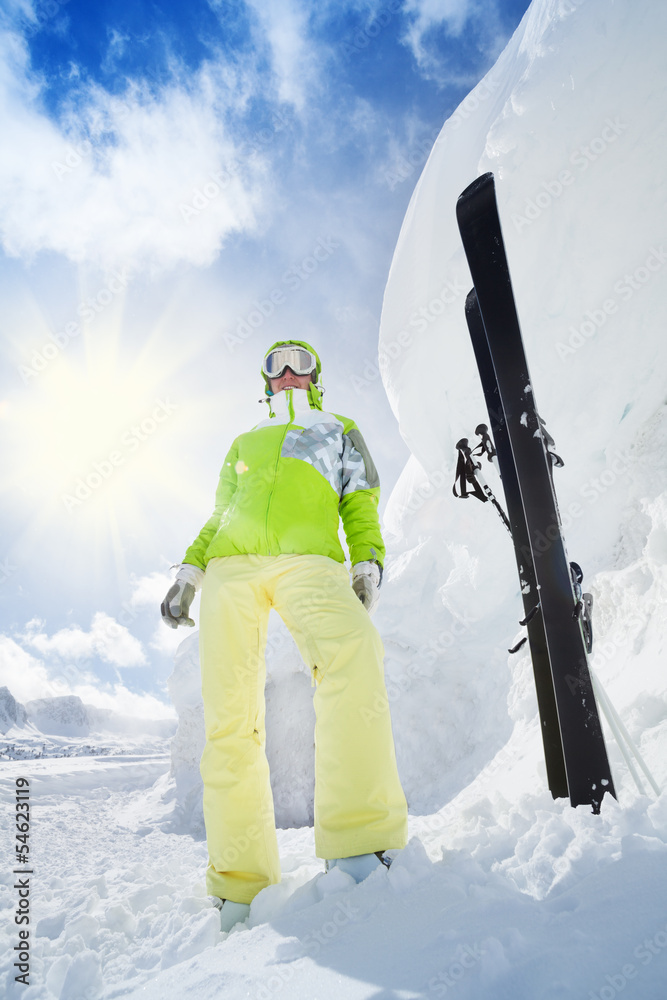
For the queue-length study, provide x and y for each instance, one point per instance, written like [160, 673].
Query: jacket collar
[285, 405]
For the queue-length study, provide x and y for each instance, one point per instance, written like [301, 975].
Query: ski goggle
[301, 361]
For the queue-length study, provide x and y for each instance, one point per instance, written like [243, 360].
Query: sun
[82, 417]
[91, 450]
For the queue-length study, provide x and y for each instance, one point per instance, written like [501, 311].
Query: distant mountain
[12, 712]
[62, 716]
[67, 715]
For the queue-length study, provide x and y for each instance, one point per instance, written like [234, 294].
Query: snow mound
[290, 721]
[573, 144]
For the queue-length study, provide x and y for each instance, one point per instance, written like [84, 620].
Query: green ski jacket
[285, 484]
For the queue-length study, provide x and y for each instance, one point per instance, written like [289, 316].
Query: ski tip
[477, 199]
[480, 184]
[471, 300]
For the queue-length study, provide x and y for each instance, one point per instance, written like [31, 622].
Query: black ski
[584, 752]
[546, 700]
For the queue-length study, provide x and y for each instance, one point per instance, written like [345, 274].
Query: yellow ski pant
[359, 802]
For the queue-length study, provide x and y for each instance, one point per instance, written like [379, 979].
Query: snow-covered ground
[501, 892]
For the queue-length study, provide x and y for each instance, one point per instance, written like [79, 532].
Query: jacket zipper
[275, 472]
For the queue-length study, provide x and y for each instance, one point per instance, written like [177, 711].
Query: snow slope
[502, 892]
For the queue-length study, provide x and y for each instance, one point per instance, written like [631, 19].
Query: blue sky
[181, 185]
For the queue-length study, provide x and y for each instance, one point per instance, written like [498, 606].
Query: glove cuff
[368, 568]
[187, 573]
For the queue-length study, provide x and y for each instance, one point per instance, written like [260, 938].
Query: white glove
[366, 580]
[175, 608]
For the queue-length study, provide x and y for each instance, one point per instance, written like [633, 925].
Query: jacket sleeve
[196, 554]
[359, 500]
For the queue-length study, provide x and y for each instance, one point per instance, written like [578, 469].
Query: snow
[502, 892]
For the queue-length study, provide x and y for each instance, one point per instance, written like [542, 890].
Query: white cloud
[166, 640]
[480, 17]
[283, 28]
[107, 639]
[428, 14]
[25, 675]
[21, 8]
[145, 180]
[115, 49]
[149, 590]
[29, 678]
[117, 698]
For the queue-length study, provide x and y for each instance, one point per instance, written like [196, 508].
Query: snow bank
[571, 122]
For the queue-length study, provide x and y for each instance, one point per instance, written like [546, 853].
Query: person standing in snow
[272, 542]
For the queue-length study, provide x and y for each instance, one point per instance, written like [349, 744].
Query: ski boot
[230, 913]
[359, 866]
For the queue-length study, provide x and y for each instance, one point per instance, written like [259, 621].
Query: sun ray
[89, 446]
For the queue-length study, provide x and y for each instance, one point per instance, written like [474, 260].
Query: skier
[272, 542]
